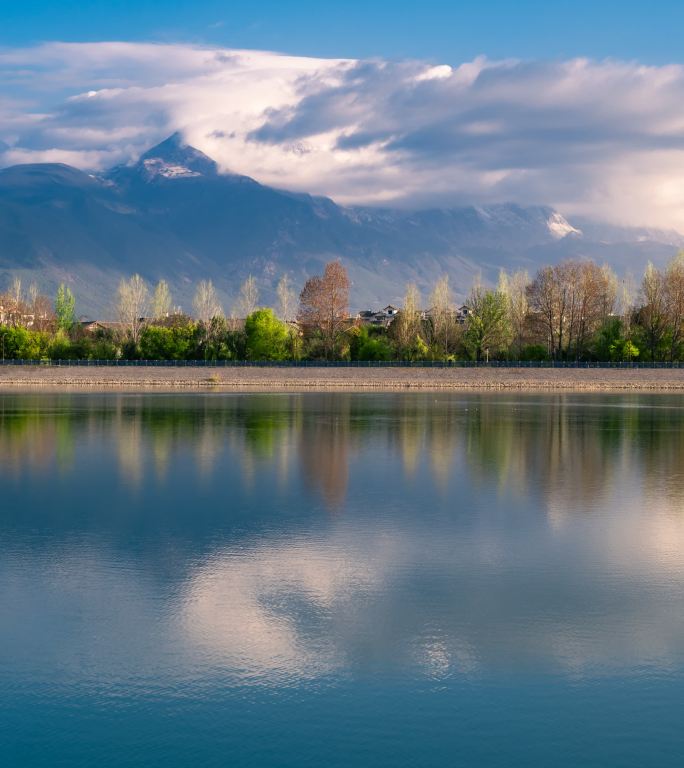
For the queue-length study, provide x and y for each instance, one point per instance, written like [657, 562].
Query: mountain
[172, 214]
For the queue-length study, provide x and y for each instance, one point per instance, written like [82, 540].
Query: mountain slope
[173, 215]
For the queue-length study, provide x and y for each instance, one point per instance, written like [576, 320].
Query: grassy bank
[279, 379]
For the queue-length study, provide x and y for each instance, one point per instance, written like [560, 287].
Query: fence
[339, 364]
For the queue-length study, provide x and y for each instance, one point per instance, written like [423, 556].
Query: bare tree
[442, 315]
[14, 309]
[206, 303]
[653, 313]
[248, 299]
[32, 294]
[569, 302]
[407, 325]
[593, 293]
[514, 288]
[674, 302]
[626, 300]
[43, 315]
[16, 291]
[548, 301]
[161, 301]
[132, 305]
[287, 299]
[324, 305]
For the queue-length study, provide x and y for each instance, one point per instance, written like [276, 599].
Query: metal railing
[342, 364]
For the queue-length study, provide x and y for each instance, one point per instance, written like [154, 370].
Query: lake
[328, 579]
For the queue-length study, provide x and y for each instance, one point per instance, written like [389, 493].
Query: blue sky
[443, 30]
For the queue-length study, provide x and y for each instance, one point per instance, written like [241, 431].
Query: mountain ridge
[173, 215]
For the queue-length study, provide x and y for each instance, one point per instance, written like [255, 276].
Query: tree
[569, 303]
[268, 338]
[287, 300]
[206, 304]
[177, 342]
[65, 305]
[207, 308]
[16, 291]
[249, 297]
[369, 344]
[406, 327]
[324, 305]
[14, 309]
[489, 327]
[43, 315]
[442, 315]
[674, 303]
[132, 305]
[23, 344]
[626, 299]
[653, 313]
[161, 301]
[514, 288]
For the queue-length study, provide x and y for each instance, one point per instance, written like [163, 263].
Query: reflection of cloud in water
[271, 610]
[300, 608]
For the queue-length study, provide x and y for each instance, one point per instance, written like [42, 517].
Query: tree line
[574, 310]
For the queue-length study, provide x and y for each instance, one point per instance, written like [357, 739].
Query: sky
[573, 104]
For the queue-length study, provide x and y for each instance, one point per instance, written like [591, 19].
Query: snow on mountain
[172, 159]
[155, 166]
[172, 215]
[559, 226]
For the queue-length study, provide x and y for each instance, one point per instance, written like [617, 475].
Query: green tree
[489, 327]
[369, 344]
[267, 337]
[177, 342]
[65, 304]
[21, 344]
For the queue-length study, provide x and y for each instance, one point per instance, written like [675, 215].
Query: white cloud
[599, 138]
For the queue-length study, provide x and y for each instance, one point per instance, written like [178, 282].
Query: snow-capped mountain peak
[560, 227]
[172, 159]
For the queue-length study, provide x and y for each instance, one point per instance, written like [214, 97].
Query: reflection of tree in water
[572, 449]
[575, 450]
[324, 437]
[30, 439]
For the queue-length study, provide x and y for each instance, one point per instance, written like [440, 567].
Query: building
[382, 317]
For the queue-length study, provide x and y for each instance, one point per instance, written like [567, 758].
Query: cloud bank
[604, 139]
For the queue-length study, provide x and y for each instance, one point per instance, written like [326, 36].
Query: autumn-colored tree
[324, 305]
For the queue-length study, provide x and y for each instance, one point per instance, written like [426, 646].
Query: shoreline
[105, 378]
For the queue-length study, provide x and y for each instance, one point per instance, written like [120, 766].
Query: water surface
[338, 579]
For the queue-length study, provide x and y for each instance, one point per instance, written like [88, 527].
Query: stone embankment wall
[278, 379]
